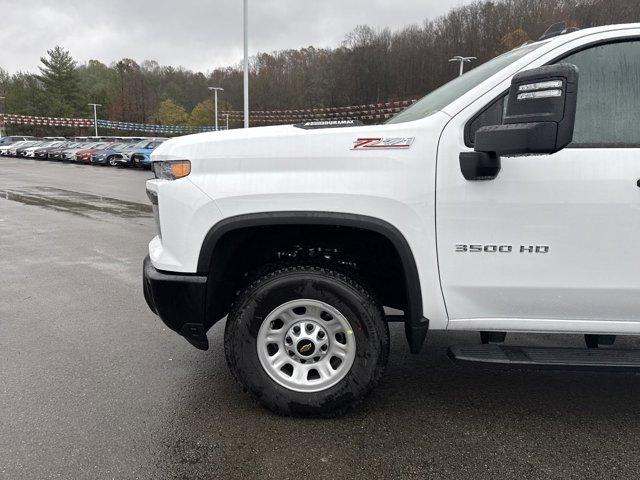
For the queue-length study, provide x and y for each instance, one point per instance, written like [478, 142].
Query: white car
[505, 201]
[10, 150]
[5, 141]
[30, 151]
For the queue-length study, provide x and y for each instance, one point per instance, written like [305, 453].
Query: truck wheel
[306, 340]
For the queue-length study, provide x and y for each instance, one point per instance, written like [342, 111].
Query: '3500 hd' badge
[372, 143]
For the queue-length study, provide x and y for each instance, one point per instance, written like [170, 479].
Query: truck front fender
[416, 325]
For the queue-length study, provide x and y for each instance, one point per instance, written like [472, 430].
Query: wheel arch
[416, 325]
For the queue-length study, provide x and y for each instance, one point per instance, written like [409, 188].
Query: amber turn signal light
[172, 169]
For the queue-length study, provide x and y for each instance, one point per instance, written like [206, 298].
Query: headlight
[172, 170]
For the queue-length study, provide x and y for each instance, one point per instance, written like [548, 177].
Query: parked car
[107, 155]
[13, 139]
[465, 211]
[141, 157]
[31, 151]
[84, 155]
[25, 150]
[4, 149]
[70, 153]
[42, 153]
[123, 159]
[58, 153]
[14, 149]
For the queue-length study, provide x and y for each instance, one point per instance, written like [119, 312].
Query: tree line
[371, 65]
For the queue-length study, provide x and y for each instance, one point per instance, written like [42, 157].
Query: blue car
[141, 157]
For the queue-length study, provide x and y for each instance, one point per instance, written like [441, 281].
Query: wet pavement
[92, 386]
[76, 203]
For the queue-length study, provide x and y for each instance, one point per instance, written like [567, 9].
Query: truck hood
[291, 168]
[292, 142]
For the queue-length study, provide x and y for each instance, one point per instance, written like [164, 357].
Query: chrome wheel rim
[306, 345]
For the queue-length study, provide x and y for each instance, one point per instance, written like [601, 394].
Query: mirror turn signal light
[172, 169]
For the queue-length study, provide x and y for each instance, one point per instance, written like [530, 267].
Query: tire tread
[278, 270]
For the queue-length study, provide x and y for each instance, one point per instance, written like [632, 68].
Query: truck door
[552, 243]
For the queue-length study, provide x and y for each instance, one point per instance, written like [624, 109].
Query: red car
[84, 156]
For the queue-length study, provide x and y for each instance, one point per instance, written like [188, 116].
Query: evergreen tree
[61, 84]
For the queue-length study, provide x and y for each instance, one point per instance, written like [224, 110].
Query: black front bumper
[179, 300]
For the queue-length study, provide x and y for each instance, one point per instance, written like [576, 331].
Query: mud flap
[416, 332]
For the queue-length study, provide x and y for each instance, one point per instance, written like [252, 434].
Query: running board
[548, 357]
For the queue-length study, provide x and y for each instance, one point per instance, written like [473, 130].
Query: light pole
[227, 121]
[245, 18]
[95, 115]
[215, 93]
[462, 61]
[2, 132]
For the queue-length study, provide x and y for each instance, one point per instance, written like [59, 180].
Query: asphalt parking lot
[93, 386]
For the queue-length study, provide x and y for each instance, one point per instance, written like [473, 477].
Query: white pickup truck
[507, 200]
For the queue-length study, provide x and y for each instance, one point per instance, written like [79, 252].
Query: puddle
[77, 203]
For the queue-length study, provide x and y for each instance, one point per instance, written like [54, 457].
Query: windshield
[443, 96]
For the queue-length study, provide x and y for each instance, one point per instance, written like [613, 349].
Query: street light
[462, 61]
[245, 18]
[95, 115]
[2, 133]
[215, 93]
[227, 121]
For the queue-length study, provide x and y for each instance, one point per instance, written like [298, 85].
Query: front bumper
[179, 300]
[123, 162]
[140, 161]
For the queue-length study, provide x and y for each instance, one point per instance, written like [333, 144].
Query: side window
[608, 110]
[492, 115]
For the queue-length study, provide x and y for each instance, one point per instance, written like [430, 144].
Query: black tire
[286, 283]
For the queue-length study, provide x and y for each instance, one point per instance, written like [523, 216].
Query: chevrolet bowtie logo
[305, 348]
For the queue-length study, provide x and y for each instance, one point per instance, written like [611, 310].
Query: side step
[548, 357]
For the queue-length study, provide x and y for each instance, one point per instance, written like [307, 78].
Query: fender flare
[416, 325]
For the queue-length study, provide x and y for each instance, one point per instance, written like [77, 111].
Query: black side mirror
[540, 116]
[541, 113]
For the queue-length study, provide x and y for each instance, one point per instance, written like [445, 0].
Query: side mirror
[541, 113]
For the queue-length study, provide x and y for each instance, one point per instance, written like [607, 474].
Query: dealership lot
[92, 385]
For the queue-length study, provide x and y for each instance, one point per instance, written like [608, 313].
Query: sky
[198, 35]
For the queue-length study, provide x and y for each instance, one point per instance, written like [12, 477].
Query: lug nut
[309, 327]
[296, 329]
[320, 334]
[288, 340]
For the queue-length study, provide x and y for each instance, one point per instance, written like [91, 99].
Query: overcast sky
[196, 34]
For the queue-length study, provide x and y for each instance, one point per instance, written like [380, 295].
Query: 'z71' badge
[382, 143]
